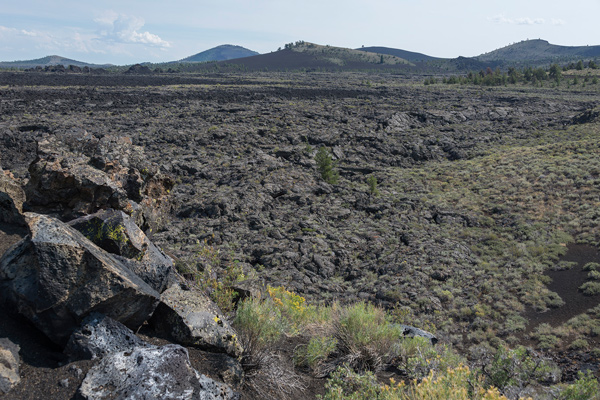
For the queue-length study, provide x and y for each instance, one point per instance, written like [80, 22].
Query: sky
[131, 31]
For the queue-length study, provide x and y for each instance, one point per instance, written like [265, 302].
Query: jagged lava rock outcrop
[130, 368]
[78, 174]
[98, 336]
[151, 373]
[116, 232]
[12, 198]
[189, 317]
[55, 277]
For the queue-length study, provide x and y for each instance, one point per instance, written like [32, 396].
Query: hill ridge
[539, 50]
[222, 52]
[49, 61]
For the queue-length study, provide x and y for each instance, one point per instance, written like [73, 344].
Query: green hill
[404, 54]
[343, 56]
[540, 51]
[48, 61]
[221, 53]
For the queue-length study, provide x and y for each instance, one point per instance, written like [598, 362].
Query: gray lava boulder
[190, 318]
[55, 277]
[9, 365]
[117, 233]
[150, 373]
[100, 335]
[76, 173]
[411, 331]
[65, 183]
[12, 198]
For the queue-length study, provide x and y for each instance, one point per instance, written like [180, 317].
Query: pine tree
[326, 166]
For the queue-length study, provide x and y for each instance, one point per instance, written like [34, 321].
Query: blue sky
[127, 32]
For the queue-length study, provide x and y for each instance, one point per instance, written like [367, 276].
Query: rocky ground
[438, 238]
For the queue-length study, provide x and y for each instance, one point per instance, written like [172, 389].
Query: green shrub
[515, 367]
[260, 326]
[515, 323]
[453, 384]
[579, 344]
[595, 275]
[372, 182]
[314, 354]
[590, 288]
[202, 268]
[547, 342]
[586, 387]
[259, 322]
[345, 384]
[365, 324]
[418, 357]
[296, 313]
[591, 266]
[564, 265]
[366, 337]
[326, 166]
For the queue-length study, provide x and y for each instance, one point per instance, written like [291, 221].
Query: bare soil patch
[566, 284]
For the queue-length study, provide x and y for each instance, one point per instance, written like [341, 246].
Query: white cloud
[501, 19]
[126, 29]
[558, 21]
[530, 21]
[112, 33]
[29, 33]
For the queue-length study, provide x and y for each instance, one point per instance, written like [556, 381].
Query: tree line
[527, 75]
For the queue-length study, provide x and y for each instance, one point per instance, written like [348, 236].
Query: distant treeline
[489, 77]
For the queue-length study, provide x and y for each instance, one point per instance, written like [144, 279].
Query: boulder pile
[87, 275]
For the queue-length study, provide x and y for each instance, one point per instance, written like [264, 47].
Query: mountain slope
[342, 56]
[304, 56]
[221, 53]
[47, 61]
[539, 51]
[407, 55]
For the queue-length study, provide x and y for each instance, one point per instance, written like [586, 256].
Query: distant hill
[311, 56]
[404, 54]
[539, 51]
[48, 61]
[343, 56]
[221, 53]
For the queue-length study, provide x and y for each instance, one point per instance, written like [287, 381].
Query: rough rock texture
[117, 233]
[411, 331]
[80, 173]
[12, 198]
[55, 277]
[138, 69]
[9, 365]
[100, 335]
[151, 373]
[192, 319]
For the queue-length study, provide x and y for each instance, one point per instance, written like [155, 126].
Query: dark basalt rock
[55, 277]
[151, 373]
[100, 335]
[138, 69]
[190, 318]
[117, 233]
[80, 174]
[12, 198]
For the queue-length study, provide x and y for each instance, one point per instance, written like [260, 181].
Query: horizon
[137, 32]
